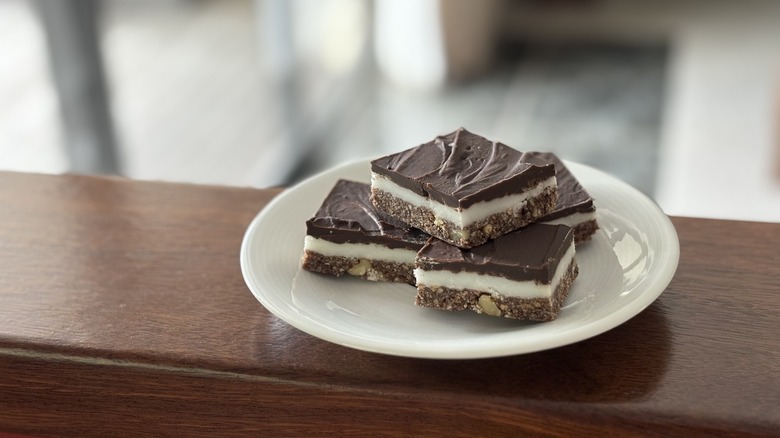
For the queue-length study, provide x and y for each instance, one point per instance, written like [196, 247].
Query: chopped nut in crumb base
[360, 268]
[488, 306]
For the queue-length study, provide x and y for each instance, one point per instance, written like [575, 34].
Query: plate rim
[426, 350]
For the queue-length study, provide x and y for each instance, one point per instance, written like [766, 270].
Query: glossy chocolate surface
[531, 253]
[572, 197]
[460, 169]
[347, 216]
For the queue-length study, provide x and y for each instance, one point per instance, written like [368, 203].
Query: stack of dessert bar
[473, 224]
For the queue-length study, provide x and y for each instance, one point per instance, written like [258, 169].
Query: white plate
[626, 266]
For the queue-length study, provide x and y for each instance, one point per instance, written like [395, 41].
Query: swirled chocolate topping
[347, 215]
[530, 253]
[460, 169]
[572, 197]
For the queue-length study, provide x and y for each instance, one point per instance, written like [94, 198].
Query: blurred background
[678, 98]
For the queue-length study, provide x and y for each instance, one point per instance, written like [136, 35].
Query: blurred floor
[29, 112]
[720, 130]
[192, 105]
[186, 92]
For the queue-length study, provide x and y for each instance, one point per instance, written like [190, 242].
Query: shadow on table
[625, 363]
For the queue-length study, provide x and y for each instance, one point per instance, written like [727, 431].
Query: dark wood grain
[123, 311]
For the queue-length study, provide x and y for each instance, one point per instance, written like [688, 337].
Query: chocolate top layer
[572, 197]
[348, 216]
[460, 169]
[531, 253]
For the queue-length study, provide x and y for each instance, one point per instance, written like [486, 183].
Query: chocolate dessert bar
[348, 235]
[575, 206]
[525, 274]
[463, 188]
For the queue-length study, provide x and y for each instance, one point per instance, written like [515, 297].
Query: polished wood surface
[123, 311]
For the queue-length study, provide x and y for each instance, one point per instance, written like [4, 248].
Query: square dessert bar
[463, 188]
[575, 206]
[348, 235]
[525, 274]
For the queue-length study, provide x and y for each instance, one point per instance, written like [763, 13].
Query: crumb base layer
[533, 309]
[374, 270]
[584, 231]
[475, 233]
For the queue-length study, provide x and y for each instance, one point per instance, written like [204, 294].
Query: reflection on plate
[626, 266]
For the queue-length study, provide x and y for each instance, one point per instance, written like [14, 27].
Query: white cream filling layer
[462, 218]
[495, 285]
[573, 220]
[370, 251]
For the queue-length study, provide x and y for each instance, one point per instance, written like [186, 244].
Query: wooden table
[123, 310]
